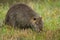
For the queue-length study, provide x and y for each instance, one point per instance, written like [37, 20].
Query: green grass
[50, 12]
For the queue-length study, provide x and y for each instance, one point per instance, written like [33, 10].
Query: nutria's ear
[40, 17]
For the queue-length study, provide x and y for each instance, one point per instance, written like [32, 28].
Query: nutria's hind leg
[7, 21]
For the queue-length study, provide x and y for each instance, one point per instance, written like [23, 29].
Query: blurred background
[48, 9]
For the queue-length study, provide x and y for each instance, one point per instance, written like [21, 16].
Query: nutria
[22, 16]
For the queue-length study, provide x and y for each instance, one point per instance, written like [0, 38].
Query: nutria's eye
[34, 18]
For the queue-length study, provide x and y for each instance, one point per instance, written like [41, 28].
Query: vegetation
[50, 12]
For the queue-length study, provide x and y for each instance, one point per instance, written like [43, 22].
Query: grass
[50, 12]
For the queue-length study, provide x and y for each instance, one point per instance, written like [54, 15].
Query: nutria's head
[37, 24]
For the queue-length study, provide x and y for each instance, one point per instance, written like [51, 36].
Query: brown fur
[22, 16]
